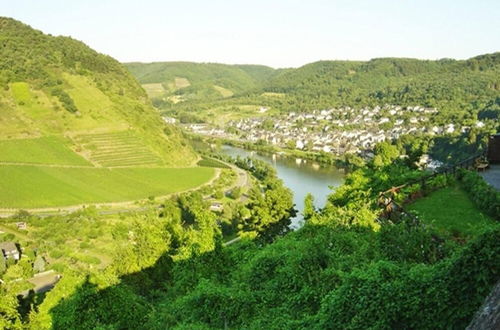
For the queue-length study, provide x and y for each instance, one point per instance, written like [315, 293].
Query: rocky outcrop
[488, 316]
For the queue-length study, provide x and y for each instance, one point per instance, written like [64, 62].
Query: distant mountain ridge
[459, 88]
[201, 80]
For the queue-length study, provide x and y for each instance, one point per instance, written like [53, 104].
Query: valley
[338, 194]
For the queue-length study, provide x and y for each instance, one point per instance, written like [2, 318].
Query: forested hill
[446, 84]
[59, 86]
[199, 80]
[458, 88]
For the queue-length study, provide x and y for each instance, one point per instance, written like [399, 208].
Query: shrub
[481, 193]
[65, 99]
[439, 181]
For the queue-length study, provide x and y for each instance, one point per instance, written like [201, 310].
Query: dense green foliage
[484, 196]
[270, 206]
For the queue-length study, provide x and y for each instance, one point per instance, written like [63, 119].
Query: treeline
[32, 56]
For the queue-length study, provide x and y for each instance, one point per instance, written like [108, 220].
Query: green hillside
[68, 115]
[452, 86]
[59, 86]
[460, 89]
[182, 81]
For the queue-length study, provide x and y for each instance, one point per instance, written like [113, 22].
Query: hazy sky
[279, 33]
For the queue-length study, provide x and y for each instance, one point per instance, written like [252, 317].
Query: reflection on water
[300, 175]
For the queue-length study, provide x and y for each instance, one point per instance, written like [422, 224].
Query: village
[25, 267]
[338, 130]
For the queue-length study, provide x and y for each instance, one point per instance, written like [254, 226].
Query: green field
[45, 150]
[210, 162]
[450, 210]
[41, 186]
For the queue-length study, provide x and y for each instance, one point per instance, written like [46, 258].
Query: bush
[387, 295]
[65, 99]
[235, 193]
[481, 193]
[439, 181]
[85, 245]
[56, 254]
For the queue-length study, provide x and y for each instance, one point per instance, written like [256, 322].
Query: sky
[278, 33]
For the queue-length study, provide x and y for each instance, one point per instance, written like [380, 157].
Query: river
[300, 175]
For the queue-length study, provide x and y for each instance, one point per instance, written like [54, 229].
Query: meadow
[451, 211]
[45, 150]
[42, 186]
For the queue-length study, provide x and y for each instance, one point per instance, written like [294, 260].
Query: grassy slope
[55, 90]
[44, 150]
[39, 186]
[450, 210]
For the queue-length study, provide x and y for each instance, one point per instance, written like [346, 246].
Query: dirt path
[234, 240]
[47, 165]
[84, 166]
[242, 178]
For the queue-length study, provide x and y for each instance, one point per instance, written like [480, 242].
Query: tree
[219, 194]
[385, 154]
[39, 264]
[236, 193]
[3, 263]
[309, 209]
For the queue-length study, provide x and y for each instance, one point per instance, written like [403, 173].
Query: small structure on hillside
[10, 250]
[22, 225]
[216, 207]
[494, 149]
[42, 282]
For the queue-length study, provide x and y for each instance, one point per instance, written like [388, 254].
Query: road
[242, 178]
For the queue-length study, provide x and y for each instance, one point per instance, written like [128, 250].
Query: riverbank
[300, 176]
[346, 162]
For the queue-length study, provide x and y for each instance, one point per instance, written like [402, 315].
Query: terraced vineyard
[109, 167]
[117, 149]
